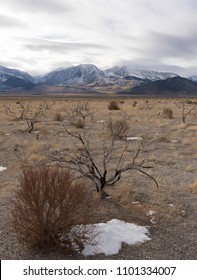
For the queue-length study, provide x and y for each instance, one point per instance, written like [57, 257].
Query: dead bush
[79, 123]
[58, 117]
[118, 128]
[168, 113]
[47, 204]
[134, 104]
[113, 105]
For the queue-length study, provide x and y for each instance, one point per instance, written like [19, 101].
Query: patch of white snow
[2, 168]
[109, 237]
[134, 138]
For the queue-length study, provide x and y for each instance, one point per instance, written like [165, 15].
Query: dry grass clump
[134, 104]
[118, 128]
[168, 113]
[58, 117]
[113, 105]
[47, 204]
[79, 123]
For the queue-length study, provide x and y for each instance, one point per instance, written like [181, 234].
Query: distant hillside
[175, 85]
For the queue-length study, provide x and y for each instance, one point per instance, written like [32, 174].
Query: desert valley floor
[169, 211]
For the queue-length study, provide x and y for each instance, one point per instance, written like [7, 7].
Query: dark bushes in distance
[113, 105]
[47, 204]
[134, 104]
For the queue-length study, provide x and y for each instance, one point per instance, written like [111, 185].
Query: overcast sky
[38, 36]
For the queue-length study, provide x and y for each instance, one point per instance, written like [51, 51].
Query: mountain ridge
[89, 77]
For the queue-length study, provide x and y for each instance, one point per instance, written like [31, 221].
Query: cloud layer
[38, 35]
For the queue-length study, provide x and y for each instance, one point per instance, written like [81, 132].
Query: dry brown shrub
[58, 117]
[79, 123]
[118, 128]
[134, 104]
[168, 113]
[46, 206]
[113, 105]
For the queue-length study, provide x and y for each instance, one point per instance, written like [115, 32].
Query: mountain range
[88, 78]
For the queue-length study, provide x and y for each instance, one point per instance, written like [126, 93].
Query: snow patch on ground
[109, 237]
[152, 213]
[2, 168]
[134, 138]
[101, 121]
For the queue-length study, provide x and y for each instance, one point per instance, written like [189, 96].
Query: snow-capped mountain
[83, 74]
[11, 78]
[89, 78]
[193, 78]
[4, 71]
[127, 71]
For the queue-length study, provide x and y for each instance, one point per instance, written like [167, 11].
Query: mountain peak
[75, 75]
[127, 71]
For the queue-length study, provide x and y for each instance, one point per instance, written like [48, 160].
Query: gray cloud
[173, 45]
[38, 45]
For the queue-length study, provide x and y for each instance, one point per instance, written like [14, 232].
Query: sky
[38, 36]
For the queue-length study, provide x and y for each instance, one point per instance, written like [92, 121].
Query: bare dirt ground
[173, 229]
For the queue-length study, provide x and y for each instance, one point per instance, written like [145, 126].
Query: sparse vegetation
[167, 151]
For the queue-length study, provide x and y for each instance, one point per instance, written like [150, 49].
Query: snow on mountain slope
[11, 78]
[126, 71]
[4, 72]
[193, 78]
[74, 75]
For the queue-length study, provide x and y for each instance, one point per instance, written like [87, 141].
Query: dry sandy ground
[173, 155]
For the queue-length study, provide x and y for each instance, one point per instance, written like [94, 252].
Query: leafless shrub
[79, 123]
[184, 111]
[118, 128]
[80, 111]
[113, 105]
[168, 113]
[46, 105]
[106, 167]
[26, 112]
[33, 118]
[47, 204]
[18, 113]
